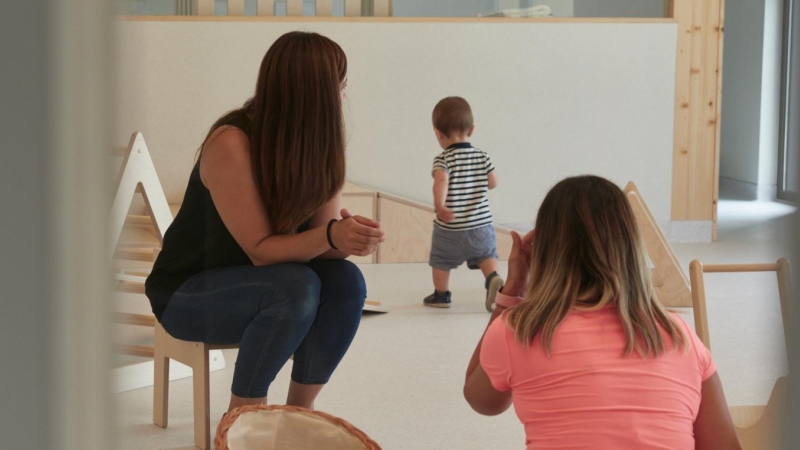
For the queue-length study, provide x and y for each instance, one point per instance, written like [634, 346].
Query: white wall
[741, 90]
[751, 95]
[577, 98]
[769, 139]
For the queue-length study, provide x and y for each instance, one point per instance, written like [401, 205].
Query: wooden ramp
[672, 286]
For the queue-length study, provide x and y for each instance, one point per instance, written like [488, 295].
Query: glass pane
[221, 7]
[146, 7]
[434, 8]
[529, 8]
[793, 151]
[250, 7]
[309, 7]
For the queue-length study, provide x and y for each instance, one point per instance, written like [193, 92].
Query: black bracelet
[328, 233]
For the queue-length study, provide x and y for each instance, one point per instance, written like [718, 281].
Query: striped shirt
[467, 170]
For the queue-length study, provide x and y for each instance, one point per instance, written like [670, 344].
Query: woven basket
[275, 427]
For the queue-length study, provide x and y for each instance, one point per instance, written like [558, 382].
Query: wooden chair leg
[161, 381]
[202, 404]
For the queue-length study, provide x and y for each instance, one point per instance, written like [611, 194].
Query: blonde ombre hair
[588, 254]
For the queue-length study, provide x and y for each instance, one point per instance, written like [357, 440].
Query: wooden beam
[720, 33]
[352, 8]
[382, 8]
[294, 8]
[203, 7]
[669, 7]
[266, 7]
[324, 8]
[695, 173]
[235, 7]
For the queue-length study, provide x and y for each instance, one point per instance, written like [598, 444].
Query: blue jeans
[310, 310]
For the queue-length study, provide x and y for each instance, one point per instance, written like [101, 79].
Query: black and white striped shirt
[467, 169]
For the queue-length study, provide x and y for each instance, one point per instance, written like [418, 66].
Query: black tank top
[196, 241]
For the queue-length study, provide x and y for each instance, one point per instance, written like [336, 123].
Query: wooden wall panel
[408, 231]
[504, 243]
[409, 226]
[697, 108]
[361, 205]
[294, 7]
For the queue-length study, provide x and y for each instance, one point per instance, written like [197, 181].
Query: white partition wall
[550, 99]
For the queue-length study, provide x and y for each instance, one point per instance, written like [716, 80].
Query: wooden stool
[194, 355]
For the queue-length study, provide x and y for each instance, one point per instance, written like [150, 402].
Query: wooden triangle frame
[671, 284]
[138, 174]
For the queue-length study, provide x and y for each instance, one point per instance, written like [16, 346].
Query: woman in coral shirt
[582, 347]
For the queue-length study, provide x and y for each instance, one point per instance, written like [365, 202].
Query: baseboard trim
[733, 189]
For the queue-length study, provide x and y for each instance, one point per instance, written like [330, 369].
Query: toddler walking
[463, 230]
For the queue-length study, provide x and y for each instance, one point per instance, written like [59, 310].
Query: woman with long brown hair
[256, 254]
[582, 347]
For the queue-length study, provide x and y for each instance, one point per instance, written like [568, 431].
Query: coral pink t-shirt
[587, 395]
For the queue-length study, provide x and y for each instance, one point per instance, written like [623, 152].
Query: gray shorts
[449, 249]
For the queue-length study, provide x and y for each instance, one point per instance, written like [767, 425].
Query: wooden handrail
[733, 268]
[697, 269]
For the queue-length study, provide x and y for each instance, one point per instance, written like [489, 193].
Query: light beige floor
[401, 380]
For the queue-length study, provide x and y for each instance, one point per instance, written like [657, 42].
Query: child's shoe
[438, 300]
[493, 284]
